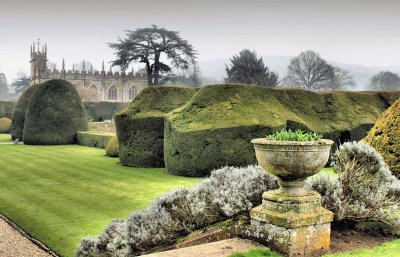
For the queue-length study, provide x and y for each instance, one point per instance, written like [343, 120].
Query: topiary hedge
[140, 127]
[215, 127]
[99, 111]
[112, 148]
[54, 114]
[385, 137]
[18, 115]
[94, 138]
[5, 124]
[6, 109]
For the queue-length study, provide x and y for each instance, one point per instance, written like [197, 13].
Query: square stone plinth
[308, 241]
[292, 233]
[292, 219]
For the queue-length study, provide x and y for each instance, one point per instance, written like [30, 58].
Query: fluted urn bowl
[291, 161]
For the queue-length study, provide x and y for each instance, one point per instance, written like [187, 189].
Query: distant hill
[215, 69]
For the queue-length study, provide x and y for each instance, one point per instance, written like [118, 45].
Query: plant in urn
[291, 218]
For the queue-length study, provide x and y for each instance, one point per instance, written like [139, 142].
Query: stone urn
[292, 162]
[291, 218]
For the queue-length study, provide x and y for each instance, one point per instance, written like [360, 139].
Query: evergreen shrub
[5, 125]
[215, 127]
[54, 114]
[94, 138]
[385, 137]
[140, 127]
[112, 147]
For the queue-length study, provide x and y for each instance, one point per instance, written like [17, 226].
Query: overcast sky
[358, 31]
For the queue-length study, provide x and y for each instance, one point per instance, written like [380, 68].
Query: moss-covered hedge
[99, 111]
[112, 148]
[5, 125]
[18, 116]
[140, 127]
[94, 138]
[6, 109]
[215, 127]
[54, 114]
[385, 137]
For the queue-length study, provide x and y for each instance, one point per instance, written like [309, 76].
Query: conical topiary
[385, 137]
[54, 115]
[112, 147]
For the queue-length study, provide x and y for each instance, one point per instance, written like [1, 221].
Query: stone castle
[93, 86]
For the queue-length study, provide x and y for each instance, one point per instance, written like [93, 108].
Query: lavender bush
[227, 193]
[365, 189]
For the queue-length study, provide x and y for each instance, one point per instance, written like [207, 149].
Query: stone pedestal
[293, 222]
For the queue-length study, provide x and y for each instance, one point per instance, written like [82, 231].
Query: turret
[83, 67]
[38, 63]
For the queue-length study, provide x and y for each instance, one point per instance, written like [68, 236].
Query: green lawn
[390, 249]
[59, 194]
[5, 138]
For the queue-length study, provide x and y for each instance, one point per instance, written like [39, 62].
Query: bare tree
[309, 71]
[385, 80]
[342, 79]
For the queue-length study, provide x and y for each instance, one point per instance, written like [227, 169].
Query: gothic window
[112, 93]
[93, 92]
[132, 93]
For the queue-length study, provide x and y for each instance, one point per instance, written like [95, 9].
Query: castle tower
[38, 63]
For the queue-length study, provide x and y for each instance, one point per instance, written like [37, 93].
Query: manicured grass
[59, 194]
[5, 138]
[257, 252]
[390, 249]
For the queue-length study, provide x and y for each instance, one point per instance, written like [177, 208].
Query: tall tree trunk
[156, 68]
[149, 74]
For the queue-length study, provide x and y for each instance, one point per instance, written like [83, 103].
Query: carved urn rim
[264, 141]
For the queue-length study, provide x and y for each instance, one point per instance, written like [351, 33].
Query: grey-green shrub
[182, 211]
[54, 114]
[18, 115]
[94, 138]
[365, 189]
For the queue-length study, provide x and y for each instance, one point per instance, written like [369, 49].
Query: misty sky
[357, 31]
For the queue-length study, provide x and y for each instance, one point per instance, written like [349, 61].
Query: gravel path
[14, 244]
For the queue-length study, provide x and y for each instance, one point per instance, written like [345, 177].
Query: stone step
[215, 249]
